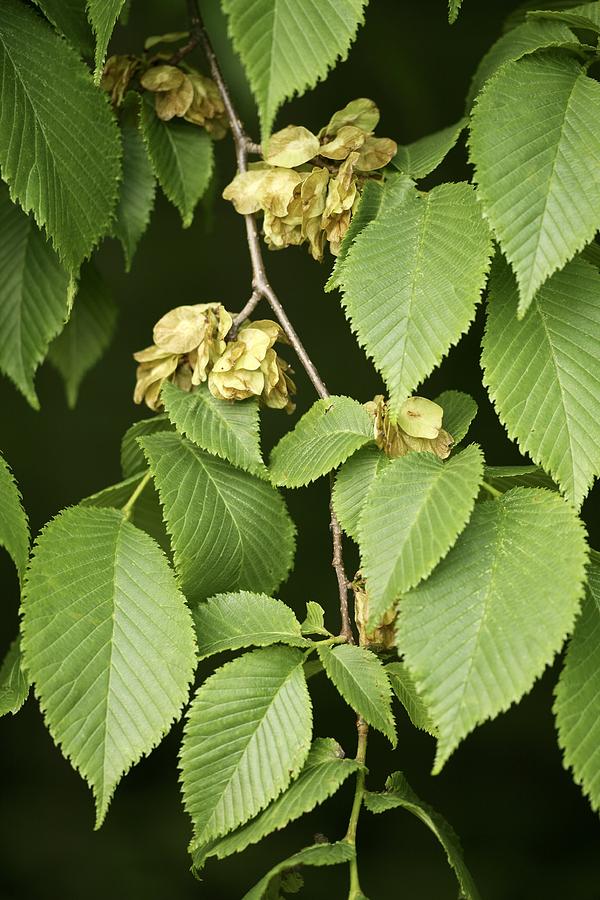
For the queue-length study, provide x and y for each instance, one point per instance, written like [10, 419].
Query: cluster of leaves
[471, 577]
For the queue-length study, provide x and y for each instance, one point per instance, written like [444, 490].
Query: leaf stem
[355, 891]
[261, 286]
[128, 508]
[491, 490]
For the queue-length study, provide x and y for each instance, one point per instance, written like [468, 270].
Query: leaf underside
[71, 186]
[34, 297]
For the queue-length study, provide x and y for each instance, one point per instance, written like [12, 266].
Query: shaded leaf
[68, 17]
[504, 478]
[132, 455]
[87, 334]
[577, 706]
[34, 297]
[136, 196]
[14, 528]
[70, 185]
[146, 513]
[424, 156]
[14, 684]
[317, 855]
[182, 159]
[103, 16]
[399, 794]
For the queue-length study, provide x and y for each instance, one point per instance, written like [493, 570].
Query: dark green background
[527, 830]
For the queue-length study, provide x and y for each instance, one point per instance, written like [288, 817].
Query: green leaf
[361, 679]
[14, 528]
[34, 296]
[323, 774]
[314, 623]
[318, 855]
[376, 196]
[287, 47]
[453, 10]
[543, 374]
[399, 794]
[504, 478]
[136, 196]
[87, 334]
[232, 621]
[68, 17]
[586, 16]
[591, 254]
[482, 628]
[247, 735]
[133, 460]
[424, 156]
[405, 690]
[413, 280]
[182, 159]
[59, 144]
[14, 684]
[413, 515]
[147, 511]
[324, 438]
[108, 642]
[577, 706]
[229, 529]
[459, 411]
[353, 483]
[226, 428]
[367, 209]
[103, 16]
[515, 44]
[535, 144]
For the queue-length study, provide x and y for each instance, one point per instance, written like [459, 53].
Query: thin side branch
[261, 286]
[244, 313]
